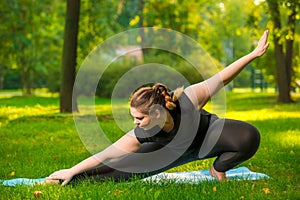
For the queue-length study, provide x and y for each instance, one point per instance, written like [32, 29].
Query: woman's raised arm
[201, 92]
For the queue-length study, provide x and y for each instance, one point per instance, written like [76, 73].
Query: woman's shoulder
[185, 103]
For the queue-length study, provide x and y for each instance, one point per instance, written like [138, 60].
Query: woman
[171, 129]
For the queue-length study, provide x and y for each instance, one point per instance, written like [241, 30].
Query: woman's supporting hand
[64, 175]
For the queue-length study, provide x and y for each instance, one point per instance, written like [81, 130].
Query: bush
[174, 73]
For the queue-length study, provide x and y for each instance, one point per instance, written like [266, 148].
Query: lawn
[37, 140]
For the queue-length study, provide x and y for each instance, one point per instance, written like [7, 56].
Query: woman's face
[144, 121]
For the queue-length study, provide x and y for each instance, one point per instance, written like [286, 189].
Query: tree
[16, 20]
[30, 34]
[283, 38]
[69, 57]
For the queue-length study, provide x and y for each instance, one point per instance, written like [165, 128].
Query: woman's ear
[157, 111]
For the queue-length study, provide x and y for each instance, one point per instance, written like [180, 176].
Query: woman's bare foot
[220, 176]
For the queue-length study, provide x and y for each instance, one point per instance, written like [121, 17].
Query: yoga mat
[194, 177]
[241, 173]
[22, 181]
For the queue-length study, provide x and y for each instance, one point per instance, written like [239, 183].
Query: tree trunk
[69, 57]
[290, 41]
[1, 76]
[282, 77]
[25, 75]
[283, 71]
[27, 90]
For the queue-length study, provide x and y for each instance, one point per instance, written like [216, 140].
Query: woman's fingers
[265, 35]
[51, 181]
[263, 44]
[52, 178]
[65, 182]
[264, 38]
[56, 179]
[63, 175]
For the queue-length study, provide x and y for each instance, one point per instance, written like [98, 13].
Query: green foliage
[31, 34]
[33, 30]
[116, 70]
[127, 12]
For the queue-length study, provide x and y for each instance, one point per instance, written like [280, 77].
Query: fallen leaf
[117, 192]
[54, 157]
[37, 194]
[266, 190]
[214, 188]
[12, 173]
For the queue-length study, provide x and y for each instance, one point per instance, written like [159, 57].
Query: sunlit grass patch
[288, 138]
[11, 112]
[262, 114]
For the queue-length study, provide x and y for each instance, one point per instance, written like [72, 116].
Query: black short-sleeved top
[190, 127]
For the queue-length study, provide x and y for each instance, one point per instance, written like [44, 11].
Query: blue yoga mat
[241, 173]
[22, 181]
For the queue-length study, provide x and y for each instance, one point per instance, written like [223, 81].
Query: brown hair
[147, 96]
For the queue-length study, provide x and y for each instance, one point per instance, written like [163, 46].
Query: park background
[43, 43]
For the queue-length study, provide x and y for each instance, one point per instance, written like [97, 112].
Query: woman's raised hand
[262, 45]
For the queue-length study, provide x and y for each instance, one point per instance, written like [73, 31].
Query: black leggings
[237, 143]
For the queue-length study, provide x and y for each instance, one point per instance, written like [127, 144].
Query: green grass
[37, 140]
